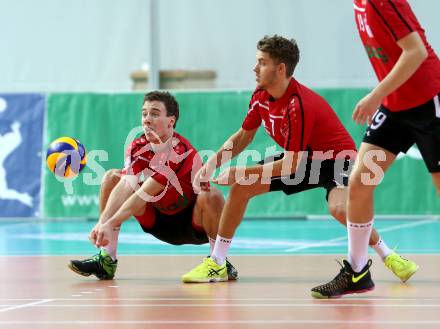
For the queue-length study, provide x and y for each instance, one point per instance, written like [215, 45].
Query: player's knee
[338, 211]
[215, 198]
[356, 186]
[212, 198]
[111, 177]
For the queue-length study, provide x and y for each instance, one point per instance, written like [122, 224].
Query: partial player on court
[403, 110]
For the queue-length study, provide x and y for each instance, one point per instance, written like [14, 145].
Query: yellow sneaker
[401, 267]
[208, 271]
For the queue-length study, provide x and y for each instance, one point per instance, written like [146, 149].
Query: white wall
[94, 45]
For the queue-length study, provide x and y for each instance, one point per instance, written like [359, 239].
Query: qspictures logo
[159, 159]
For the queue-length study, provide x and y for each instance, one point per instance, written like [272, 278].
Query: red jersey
[300, 120]
[171, 167]
[381, 24]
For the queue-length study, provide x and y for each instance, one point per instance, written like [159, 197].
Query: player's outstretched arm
[413, 55]
[283, 167]
[127, 185]
[233, 146]
[120, 193]
[150, 191]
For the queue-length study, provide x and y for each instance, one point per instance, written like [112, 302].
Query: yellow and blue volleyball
[66, 157]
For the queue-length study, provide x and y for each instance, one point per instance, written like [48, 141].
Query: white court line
[222, 299]
[266, 305]
[195, 322]
[342, 238]
[16, 307]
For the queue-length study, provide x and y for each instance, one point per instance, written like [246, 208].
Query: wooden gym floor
[273, 291]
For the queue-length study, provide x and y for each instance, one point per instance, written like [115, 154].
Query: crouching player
[156, 188]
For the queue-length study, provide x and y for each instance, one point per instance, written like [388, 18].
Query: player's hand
[201, 180]
[365, 109]
[103, 233]
[230, 176]
[93, 234]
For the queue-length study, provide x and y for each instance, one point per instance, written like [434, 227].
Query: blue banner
[21, 135]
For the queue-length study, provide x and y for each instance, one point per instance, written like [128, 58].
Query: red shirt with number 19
[381, 23]
[300, 120]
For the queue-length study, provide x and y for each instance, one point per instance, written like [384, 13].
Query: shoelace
[338, 282]
[100, 259]
[200, 267]
[94, 258]
[400, 261]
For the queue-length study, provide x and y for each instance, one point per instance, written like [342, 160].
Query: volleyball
[66, 157]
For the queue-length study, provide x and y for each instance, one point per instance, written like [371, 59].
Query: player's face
[265, 70]
[157, 126]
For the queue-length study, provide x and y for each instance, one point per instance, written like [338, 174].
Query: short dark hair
[171, 105]
[281, 50]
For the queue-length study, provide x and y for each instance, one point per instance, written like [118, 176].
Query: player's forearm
[233, 146]
[121, 215]
[148, 192]
[407, 64]
[122, 192]
[126, 210]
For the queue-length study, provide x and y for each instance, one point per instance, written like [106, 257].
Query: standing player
[163, 200]
[407, 99]
[312, 136]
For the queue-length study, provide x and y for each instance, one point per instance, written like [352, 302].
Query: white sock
[211, 244]
[382, 249]
[112, 245]
[221, 249]
[358, 238]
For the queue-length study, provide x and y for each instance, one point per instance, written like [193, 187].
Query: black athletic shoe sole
[318, 295]
[76, 270]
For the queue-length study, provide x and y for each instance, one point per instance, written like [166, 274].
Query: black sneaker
[232, 272]
[346, 282]
[101, 265]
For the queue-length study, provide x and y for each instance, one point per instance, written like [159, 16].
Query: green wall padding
[102, 122]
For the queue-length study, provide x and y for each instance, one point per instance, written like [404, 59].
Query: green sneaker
[101, 265]
[208, 271]
[401, 267]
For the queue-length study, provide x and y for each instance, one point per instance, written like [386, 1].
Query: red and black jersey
[172, 167]
[300, 120]
[381, 23]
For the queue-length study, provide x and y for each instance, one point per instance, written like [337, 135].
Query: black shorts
[175, 229]
[311, 174]
[398, 131]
